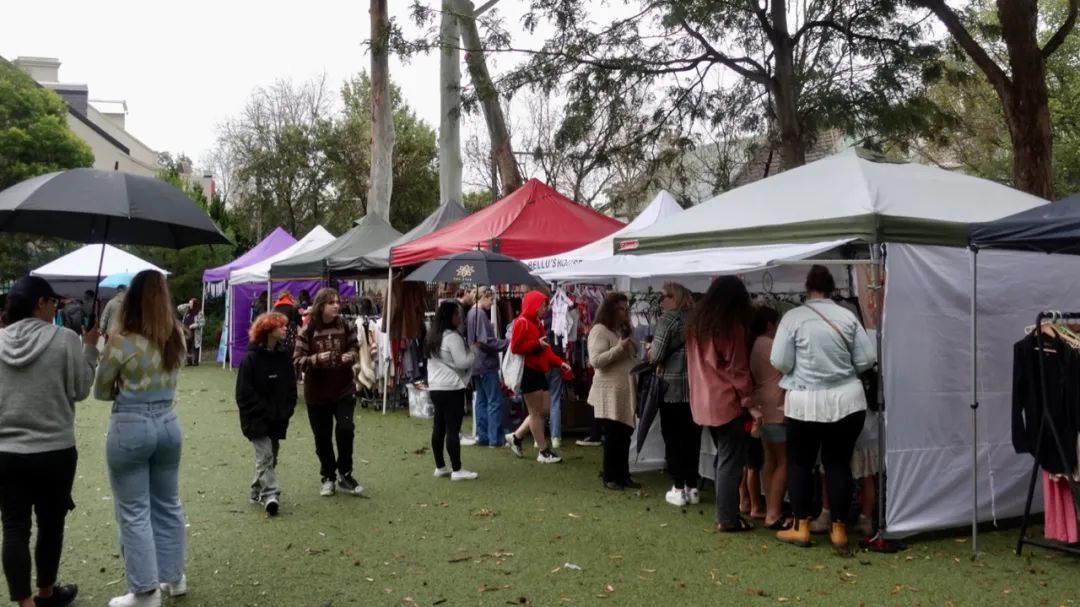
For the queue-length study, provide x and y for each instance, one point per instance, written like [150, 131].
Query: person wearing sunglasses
[44, 371]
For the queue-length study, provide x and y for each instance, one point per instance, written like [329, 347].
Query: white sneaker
[468, 441]
[463, 475]
[175, 590]
[693, 496]
[585, 442]
[151, 599]
[556, 443]
[822, 523]
[442, 472]
[865, 526]
[675, 497]
[328, 487]
[515, 445]
[548, 457]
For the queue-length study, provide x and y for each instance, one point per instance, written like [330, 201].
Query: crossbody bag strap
[843, 337]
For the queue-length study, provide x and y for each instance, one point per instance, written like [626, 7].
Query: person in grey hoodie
[44, 371]
[485, 371]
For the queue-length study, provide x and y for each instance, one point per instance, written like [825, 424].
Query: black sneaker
[348, 484]
[271, 506]
[62, 596]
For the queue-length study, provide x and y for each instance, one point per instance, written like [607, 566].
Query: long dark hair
[608, 312]
[322, 298]
[725, 306]
[763, 317]
[148, 311]
[443, 321]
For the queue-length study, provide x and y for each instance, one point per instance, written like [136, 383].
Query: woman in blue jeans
[138, 372]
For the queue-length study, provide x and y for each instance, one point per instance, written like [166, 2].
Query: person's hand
[756, 414]
[324, 357]
[566, 367]
[544, 342]
[91, 336]
[627, 343]
[348, 358]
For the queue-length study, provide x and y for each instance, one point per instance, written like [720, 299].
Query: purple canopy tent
[215, 280]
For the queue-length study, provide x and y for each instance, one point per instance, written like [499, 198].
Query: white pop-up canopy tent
[663, 205]
[259, 271]
[77, 272]
[914, 219]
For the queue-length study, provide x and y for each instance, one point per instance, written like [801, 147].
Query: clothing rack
[1051, 316]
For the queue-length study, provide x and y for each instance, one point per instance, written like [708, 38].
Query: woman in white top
[449, 365]
[821, 349]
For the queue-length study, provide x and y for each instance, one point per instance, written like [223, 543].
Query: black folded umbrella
[475, 267]
[651, 388]
[113, 207]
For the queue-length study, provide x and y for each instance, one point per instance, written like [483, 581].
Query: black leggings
[682, 444]
[322, 418]
[836, 442]
[449, 410]
[616, 451]
[38, 483]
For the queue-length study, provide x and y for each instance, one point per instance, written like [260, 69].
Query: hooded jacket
[44, 371]
[285, 305]
[527, 332]
[266, 392]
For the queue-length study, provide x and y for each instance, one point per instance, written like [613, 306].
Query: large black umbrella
[92, 206]
[475, 267]
[651, 388]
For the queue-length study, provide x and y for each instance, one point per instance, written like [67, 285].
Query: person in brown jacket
[325, 352]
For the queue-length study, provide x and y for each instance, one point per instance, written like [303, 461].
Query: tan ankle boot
[799, 534]
[838, 535]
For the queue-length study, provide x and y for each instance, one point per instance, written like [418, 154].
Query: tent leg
[386, 319]
[974, 254]
[101, 265]
[877, 289]
[202, 305]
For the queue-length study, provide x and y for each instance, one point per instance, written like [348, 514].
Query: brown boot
[838, 535]
[799, 534]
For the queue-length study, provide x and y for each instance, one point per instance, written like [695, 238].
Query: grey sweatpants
[265, 485]
[731, 441]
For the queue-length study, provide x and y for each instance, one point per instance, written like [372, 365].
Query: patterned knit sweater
[134, 364]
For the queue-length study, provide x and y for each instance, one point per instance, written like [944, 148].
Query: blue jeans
[142, 448]
[488, 409]
[554, 377]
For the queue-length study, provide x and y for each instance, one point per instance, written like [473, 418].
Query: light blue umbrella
[115, 281]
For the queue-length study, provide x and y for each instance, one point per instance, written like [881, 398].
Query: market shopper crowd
[733, 373]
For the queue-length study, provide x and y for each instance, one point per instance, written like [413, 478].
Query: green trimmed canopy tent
[944, 468]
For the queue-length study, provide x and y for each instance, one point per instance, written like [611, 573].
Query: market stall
[77, 272]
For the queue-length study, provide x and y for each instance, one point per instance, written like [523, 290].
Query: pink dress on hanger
[1059, 510]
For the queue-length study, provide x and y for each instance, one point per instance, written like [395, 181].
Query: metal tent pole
[973, 254]
[877, 289]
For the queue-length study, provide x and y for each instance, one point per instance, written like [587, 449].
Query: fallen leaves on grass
[572, 515]
[485, 513]
[484, 589]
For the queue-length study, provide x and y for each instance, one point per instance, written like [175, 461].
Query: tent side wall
[927, 379]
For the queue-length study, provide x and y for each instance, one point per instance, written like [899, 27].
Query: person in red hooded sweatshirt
[528, 338]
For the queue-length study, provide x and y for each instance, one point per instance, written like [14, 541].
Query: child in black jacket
[266, 396]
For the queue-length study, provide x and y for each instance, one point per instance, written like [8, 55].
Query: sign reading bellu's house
[549, 263]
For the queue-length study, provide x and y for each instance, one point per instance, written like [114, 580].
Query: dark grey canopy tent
[379, 260]
[369, 234]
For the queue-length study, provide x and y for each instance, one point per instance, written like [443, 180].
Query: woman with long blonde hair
[138, 373]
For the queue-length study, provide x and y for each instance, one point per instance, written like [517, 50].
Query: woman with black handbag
[682, 437]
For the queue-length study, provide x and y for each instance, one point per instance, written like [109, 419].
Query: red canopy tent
[534, 221]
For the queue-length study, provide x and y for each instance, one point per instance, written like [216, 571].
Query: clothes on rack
[1061, 365]
[1059, 510]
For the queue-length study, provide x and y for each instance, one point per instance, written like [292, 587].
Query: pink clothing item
[1059, 511]
[768, 395]
[719, 378]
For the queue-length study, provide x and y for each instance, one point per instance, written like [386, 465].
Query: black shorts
[533, 381]
[755, 453]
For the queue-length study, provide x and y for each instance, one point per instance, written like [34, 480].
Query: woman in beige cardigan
[611, 354]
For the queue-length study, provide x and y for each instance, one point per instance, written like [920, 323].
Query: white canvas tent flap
[260, 271]
[76, 272]
[663, 205]
[844, 195]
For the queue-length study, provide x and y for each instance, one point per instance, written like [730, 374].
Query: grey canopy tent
[370, 233]
[378, 260]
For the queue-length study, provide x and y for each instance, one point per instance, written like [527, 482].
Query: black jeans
[446, 430]
[682, 444]
[616, 451]
[322, 418]
[836, 441]
[38, 483]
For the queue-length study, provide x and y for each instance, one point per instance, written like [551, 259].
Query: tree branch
[1062, 32]
[757, 74]
[997, 76]
[843, 29]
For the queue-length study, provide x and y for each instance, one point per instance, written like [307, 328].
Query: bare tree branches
[1062, 32]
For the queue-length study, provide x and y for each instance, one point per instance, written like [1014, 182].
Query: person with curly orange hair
[266, 396]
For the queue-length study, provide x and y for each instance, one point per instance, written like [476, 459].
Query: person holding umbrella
[528, 339]
[611, 354]
[44, 371]
[325, 352]
[682, 437]
[138, 373]
[718, 367]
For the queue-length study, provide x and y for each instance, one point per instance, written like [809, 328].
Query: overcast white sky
[184, 67]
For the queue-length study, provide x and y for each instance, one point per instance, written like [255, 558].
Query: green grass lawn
[506, 538]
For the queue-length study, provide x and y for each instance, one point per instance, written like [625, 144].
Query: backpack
[513, 366]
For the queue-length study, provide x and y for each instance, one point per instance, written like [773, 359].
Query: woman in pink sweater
[718, 365]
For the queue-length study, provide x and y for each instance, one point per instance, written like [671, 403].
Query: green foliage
[34, 140]
[474, 201]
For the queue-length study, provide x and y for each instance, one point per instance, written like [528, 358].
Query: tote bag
[513, 365]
